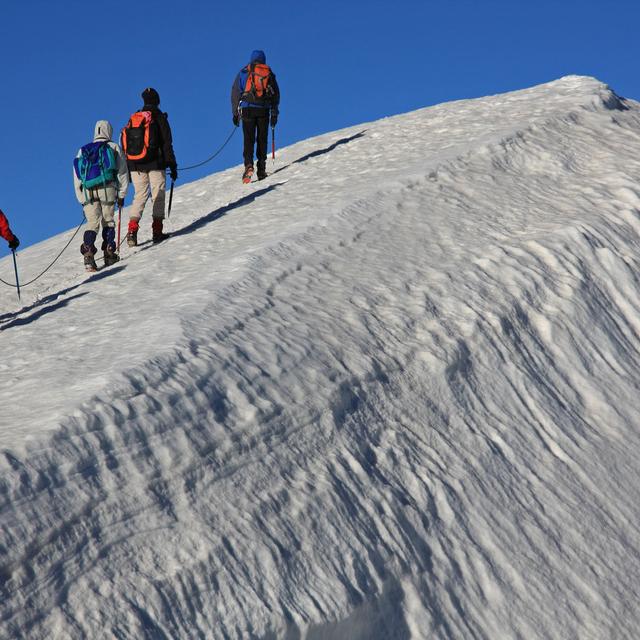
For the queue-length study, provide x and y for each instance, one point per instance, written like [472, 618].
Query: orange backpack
[257, 89]
[138, 137]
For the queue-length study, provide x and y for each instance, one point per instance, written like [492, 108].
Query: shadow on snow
[321, 152]
[223, 211]
[9, 320]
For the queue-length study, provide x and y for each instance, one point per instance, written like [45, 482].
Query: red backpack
[257, 88]
[139, 138]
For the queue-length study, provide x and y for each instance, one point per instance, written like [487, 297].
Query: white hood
[103, 130]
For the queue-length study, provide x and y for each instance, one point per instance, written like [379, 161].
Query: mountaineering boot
[132, 233]
[90, 262]
[88, 243]
[132, 238]
[248, 173]
[88, 250]
[156, 229]
[109, 246]
[110, 257]
[262, 172]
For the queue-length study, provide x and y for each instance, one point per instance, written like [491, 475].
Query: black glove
[173, 170]
[236, 120]
[120, 203]
[274, 119]
[14, 243]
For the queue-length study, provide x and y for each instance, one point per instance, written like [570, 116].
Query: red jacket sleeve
[5, 232]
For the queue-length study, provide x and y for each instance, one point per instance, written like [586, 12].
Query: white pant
[148, 183]
[100, 207]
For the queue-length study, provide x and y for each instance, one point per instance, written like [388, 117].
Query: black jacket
[161, 155]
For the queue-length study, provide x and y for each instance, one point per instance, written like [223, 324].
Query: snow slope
[389, 392]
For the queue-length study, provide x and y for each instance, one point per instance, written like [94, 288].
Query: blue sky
[68, 64]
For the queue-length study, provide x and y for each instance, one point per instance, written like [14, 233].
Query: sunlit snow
[390, 392]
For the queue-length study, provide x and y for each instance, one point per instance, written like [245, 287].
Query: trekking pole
[273, 144]
[15, 266]
[170, 198]
[119, 222]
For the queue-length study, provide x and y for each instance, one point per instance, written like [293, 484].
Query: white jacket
[104, 131]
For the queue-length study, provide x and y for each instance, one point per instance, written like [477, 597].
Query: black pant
[255, 127]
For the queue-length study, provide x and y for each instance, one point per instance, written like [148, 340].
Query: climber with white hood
[101, 180]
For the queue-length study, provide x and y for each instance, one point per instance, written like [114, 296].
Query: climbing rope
[24, 284]
[226, 142]
[194, 166]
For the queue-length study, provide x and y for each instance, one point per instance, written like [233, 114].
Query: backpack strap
[83, 174]
[250, 72]
[102, 169]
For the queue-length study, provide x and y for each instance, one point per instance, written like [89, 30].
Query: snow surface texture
[389, 392]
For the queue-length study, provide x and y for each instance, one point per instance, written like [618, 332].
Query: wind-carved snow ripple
[333, 466]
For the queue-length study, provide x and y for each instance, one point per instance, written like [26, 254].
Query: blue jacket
[237, 88]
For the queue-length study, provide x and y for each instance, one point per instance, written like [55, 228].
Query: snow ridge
[408, 412]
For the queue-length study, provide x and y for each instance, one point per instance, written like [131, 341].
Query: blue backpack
[96, 165]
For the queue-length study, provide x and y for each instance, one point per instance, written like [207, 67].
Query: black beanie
[150, 96]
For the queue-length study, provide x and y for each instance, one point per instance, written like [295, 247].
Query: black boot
[90, 262]
[109, 248]
[156, 229]
[110, 257]
[88, 250]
